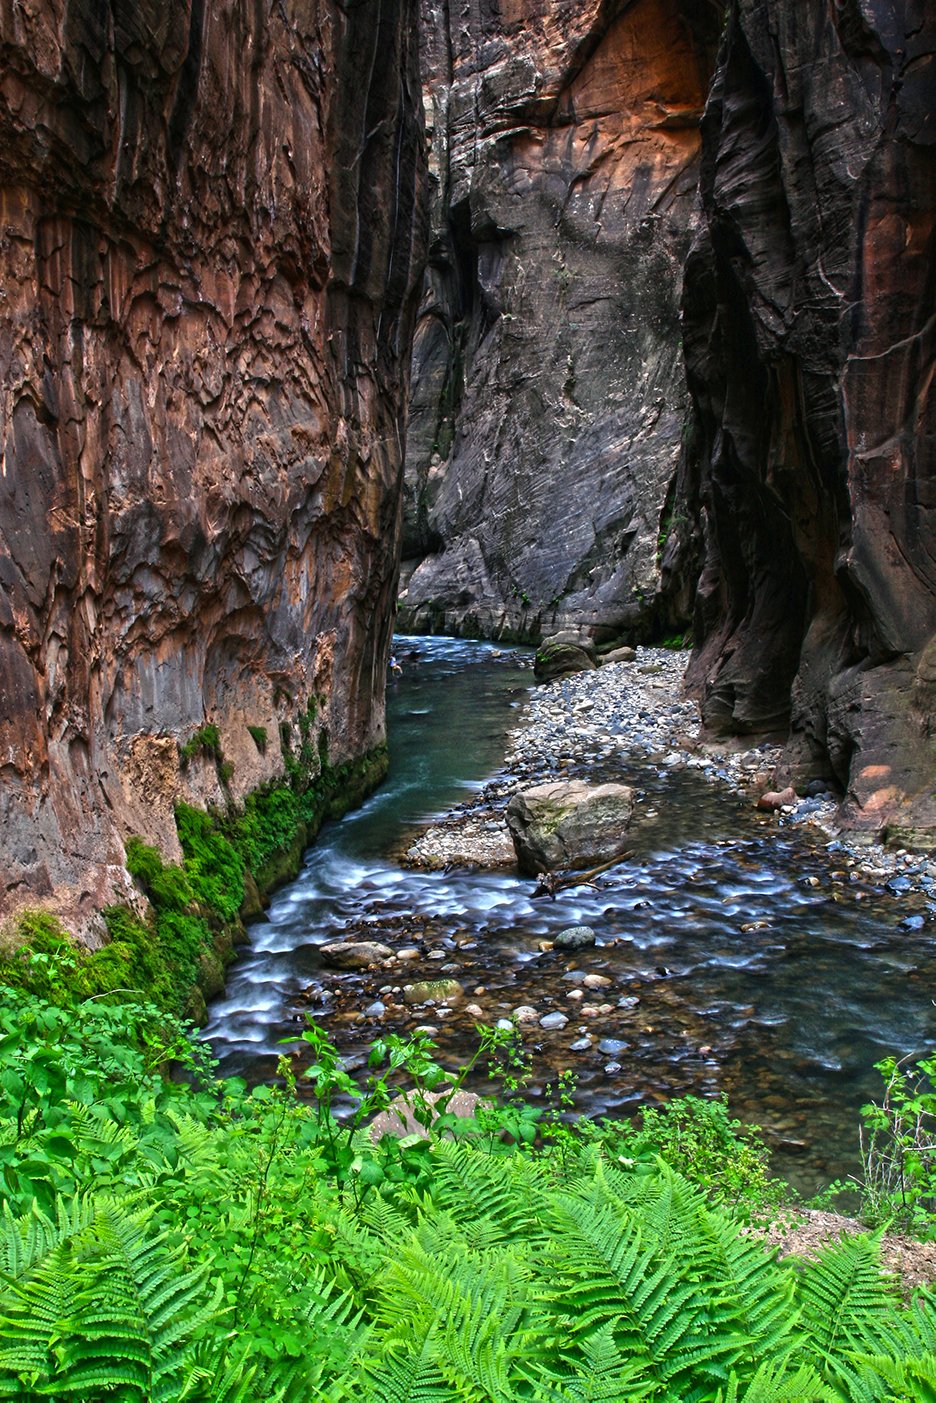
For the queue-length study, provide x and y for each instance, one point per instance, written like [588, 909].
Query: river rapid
[742, 956]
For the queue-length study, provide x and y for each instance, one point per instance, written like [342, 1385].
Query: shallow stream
[787, 1016]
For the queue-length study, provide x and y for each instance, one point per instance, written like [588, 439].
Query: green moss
[229, 862]
[213, 866]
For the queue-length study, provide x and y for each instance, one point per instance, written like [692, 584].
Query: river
[788, 1018]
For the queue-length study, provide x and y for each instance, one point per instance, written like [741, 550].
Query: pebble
[628, 1001]
[611, 1068]
[580, 1044]
[613, 1046]
[914, 922]
[505, 1024]
[474, 1010]
[550, 1021]
[375, 1010]
[575, 994]
[597, 981]
[525, 1014]
[408, 952]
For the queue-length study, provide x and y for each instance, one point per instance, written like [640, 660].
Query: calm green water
[787, 1018]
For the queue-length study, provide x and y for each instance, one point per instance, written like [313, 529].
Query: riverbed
[736, 951]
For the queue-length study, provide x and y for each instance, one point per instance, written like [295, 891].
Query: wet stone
[375, 1010]
[613, 1047]
[355, 954]
[549, 1021]
[580, 1045]
[575, 938]
[440, 991]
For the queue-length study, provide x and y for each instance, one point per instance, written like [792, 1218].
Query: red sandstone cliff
[209, 238]
[810, 331]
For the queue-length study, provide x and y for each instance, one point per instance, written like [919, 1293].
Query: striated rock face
[810, 327]
[549, 394]
[209, 242]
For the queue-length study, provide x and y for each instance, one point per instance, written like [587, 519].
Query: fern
[845, 1302]
[665, 1318]
[95, 1304]
[775, 1383]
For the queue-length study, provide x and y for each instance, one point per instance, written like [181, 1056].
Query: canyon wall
[810, 331]
[549, 398]
[211, 241]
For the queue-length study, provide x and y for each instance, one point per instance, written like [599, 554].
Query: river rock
[552, 1021]
[597, 981]
[525, 1014]
[439, 991]
[575, 938]
[569, 824]
[580, 1045]
[355, 954]
[375, 1010]
[613, 1047]
[399, 1118]
[558, 656]
[620, 655]
[776, 799]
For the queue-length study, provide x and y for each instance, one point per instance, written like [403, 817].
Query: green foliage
[205, 741]
[186, 1239]
[258, 735]
[898, 1148]
[267, 826]
[701, 1140]
[213, 866]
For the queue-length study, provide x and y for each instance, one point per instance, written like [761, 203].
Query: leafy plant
[258, 735]
[898, 1147]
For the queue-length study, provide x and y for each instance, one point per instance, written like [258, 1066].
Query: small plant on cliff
[258, 735]
[205, 741]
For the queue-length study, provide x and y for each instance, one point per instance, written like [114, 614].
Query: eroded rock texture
[549, 395]
[208, 245]
[810, 319]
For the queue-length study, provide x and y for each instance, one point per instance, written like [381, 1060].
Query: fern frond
[667, 1321]
[777, 1383]
[101, 1304]
[845, 1298]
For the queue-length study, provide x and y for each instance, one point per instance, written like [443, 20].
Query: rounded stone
[551, 1021]
[575, 938]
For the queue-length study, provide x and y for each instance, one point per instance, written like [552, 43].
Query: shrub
[258, 735]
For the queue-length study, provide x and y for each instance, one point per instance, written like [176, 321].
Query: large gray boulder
[569, 824]
[561, 654]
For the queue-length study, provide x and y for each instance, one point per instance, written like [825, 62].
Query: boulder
[355, 954]
[400, 1117]
[562, 654]
[620, 655]
[569, 824]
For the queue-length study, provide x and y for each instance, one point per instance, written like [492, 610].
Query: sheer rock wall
[549, 395]
[210, 239]
[810, 328]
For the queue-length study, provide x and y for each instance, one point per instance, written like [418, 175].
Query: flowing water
[787, 1016]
